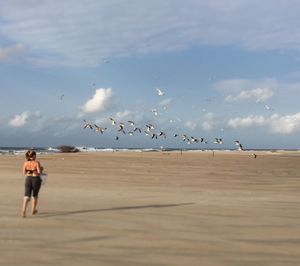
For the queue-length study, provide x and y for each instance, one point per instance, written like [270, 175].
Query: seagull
[194, 140]
[137, 129]
[87, 125]
[121, 128]
[99, 129]
[268, 108]
[130, 133]
[184, 137]
[149, 127]
[240, 147]
[218, 141]
[159, 92]
[131, 123]
[154, 111]
[175, 135]
[162, 134]
[113, 122]
[117, 138]
[154, 136]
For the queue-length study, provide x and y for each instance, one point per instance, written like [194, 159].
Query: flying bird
[195, 140]
[137, 129]
[87, 125]
[162, 134]
[149, 127]
[268, 108]
[121, 128]
[218, 141]
[240, 147]
[113, 122]
[159, 92]
[99, 129]
[131, 122]
[154, 111]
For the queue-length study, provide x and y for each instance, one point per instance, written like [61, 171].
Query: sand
[155, 208]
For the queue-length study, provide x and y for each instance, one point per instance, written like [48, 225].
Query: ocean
[51, 150]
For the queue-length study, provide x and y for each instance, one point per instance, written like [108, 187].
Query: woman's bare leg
[24, 207]
[34, 205]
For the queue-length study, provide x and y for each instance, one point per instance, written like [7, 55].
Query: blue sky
[228, 69]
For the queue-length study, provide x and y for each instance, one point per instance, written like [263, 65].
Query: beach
[155, 208]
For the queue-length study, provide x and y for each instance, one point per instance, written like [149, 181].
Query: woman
[32, 170]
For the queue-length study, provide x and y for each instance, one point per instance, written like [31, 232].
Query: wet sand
[155, 209]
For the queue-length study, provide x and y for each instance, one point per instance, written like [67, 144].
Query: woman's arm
[39, 168]
[24, 169]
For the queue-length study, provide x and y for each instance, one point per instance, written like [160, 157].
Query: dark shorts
[32, 186]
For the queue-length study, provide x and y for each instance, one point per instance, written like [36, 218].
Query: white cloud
[9, 52]
[245, 122]
[83, 34]
[22, 119]
[209, 122]
[287, 124]
[99, 102]
[258, 95]
[192, 125]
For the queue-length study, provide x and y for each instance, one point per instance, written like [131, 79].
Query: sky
[227, 69]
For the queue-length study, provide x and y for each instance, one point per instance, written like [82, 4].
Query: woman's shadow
[124, 208]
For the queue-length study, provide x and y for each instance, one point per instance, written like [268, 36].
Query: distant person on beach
[32, 170]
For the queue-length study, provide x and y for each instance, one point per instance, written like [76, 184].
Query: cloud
[99, 102]
[209, 122]
[287, 124]
[9, 52]
[258, 95]
[73, 33]
[22, 119]
[246, 122]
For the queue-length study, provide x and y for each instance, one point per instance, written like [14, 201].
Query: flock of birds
[130, 128]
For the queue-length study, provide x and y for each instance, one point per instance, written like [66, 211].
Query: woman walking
[32, 170]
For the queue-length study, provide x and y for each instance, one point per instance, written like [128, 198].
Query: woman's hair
[30, 154]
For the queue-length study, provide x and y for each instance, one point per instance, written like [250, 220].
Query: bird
[154, 136]
[195, 140]
[218, 141]
[162, 134]
[154, 111]
[113, 122]
[268, 108]
[149, 127]
[99, 129]
[137, 129]
[131, 122]
[87, 125]
[159, 92]
[240, 147]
